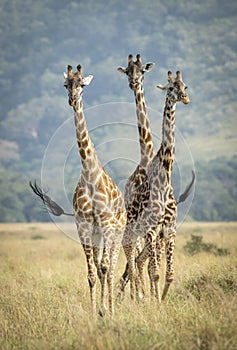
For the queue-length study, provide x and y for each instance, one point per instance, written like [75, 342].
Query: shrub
[196, 245]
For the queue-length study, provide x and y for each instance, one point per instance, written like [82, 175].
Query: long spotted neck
[145, 136]
[167, 149]
[86, 147]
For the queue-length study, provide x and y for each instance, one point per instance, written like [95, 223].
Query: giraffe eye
[185, 88]
[171, 89]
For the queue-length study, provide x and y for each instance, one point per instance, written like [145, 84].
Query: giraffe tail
[187, 191]
[52, 206]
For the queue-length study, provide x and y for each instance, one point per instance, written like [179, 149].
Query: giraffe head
[74, 83]
[176, 89]
[135, 71]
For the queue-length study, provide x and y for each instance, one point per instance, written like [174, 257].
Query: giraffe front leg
[96, 254]
[170, 244]
[154, 263]
[122, 284]
[129, 251]
[152, 286]
[125, 278]
[140, 261]
[114, 252]
[92, 275]
[160, 244]
[104, 268]
[126, 275]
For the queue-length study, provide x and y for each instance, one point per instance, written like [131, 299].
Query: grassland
[44, 298]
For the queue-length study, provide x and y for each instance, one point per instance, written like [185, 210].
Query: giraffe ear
[87, 80]
[148, 66]
[163, 87]
[122, 70]
[65, 75]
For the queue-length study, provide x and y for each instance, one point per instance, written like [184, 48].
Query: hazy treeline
[38, 41]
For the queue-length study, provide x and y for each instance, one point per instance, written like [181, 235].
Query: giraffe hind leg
[125, 276]
[170, 244]
[129, 251]
[122, 284]
[140, 261]
[154, 285]
[152, 242]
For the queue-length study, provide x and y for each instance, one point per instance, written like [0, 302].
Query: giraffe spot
[142, 118]
[143, 133]
[162, 177]
[90, 190]
[82, 153]
[102, 190]
[99, 197]
[168, 152]
[105, 180]
[84, 144]
[148, 138]
[114, 193]
[139, 97]
[86, 206]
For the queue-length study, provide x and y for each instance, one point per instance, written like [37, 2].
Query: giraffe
[99, 208]
[135, 73]
[98, 204]
[154, 204]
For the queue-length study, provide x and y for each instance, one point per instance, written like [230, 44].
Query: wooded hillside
[40, 38]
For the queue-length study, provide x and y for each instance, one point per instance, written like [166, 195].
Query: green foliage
[196, 245]
[216, 194]
[16, 200]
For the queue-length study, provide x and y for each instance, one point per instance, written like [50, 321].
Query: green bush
[196, 245]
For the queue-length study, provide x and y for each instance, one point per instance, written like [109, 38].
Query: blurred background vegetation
[40, 38]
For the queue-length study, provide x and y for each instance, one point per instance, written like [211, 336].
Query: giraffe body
[98, 204]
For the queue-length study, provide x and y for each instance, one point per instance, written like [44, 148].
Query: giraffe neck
[86, 147]
[145, 136]
[168, 136]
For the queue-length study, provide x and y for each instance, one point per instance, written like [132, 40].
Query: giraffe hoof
[140, 298]
[102, 311]
[156, 278]
[120, 297]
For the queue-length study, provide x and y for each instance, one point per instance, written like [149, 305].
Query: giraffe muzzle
[71, 102]
[185, 100]
[133, 86]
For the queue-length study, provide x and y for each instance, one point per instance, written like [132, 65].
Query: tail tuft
[52, 206]
[187, 191]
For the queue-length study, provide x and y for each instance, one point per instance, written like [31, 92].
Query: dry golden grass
[44, 299]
